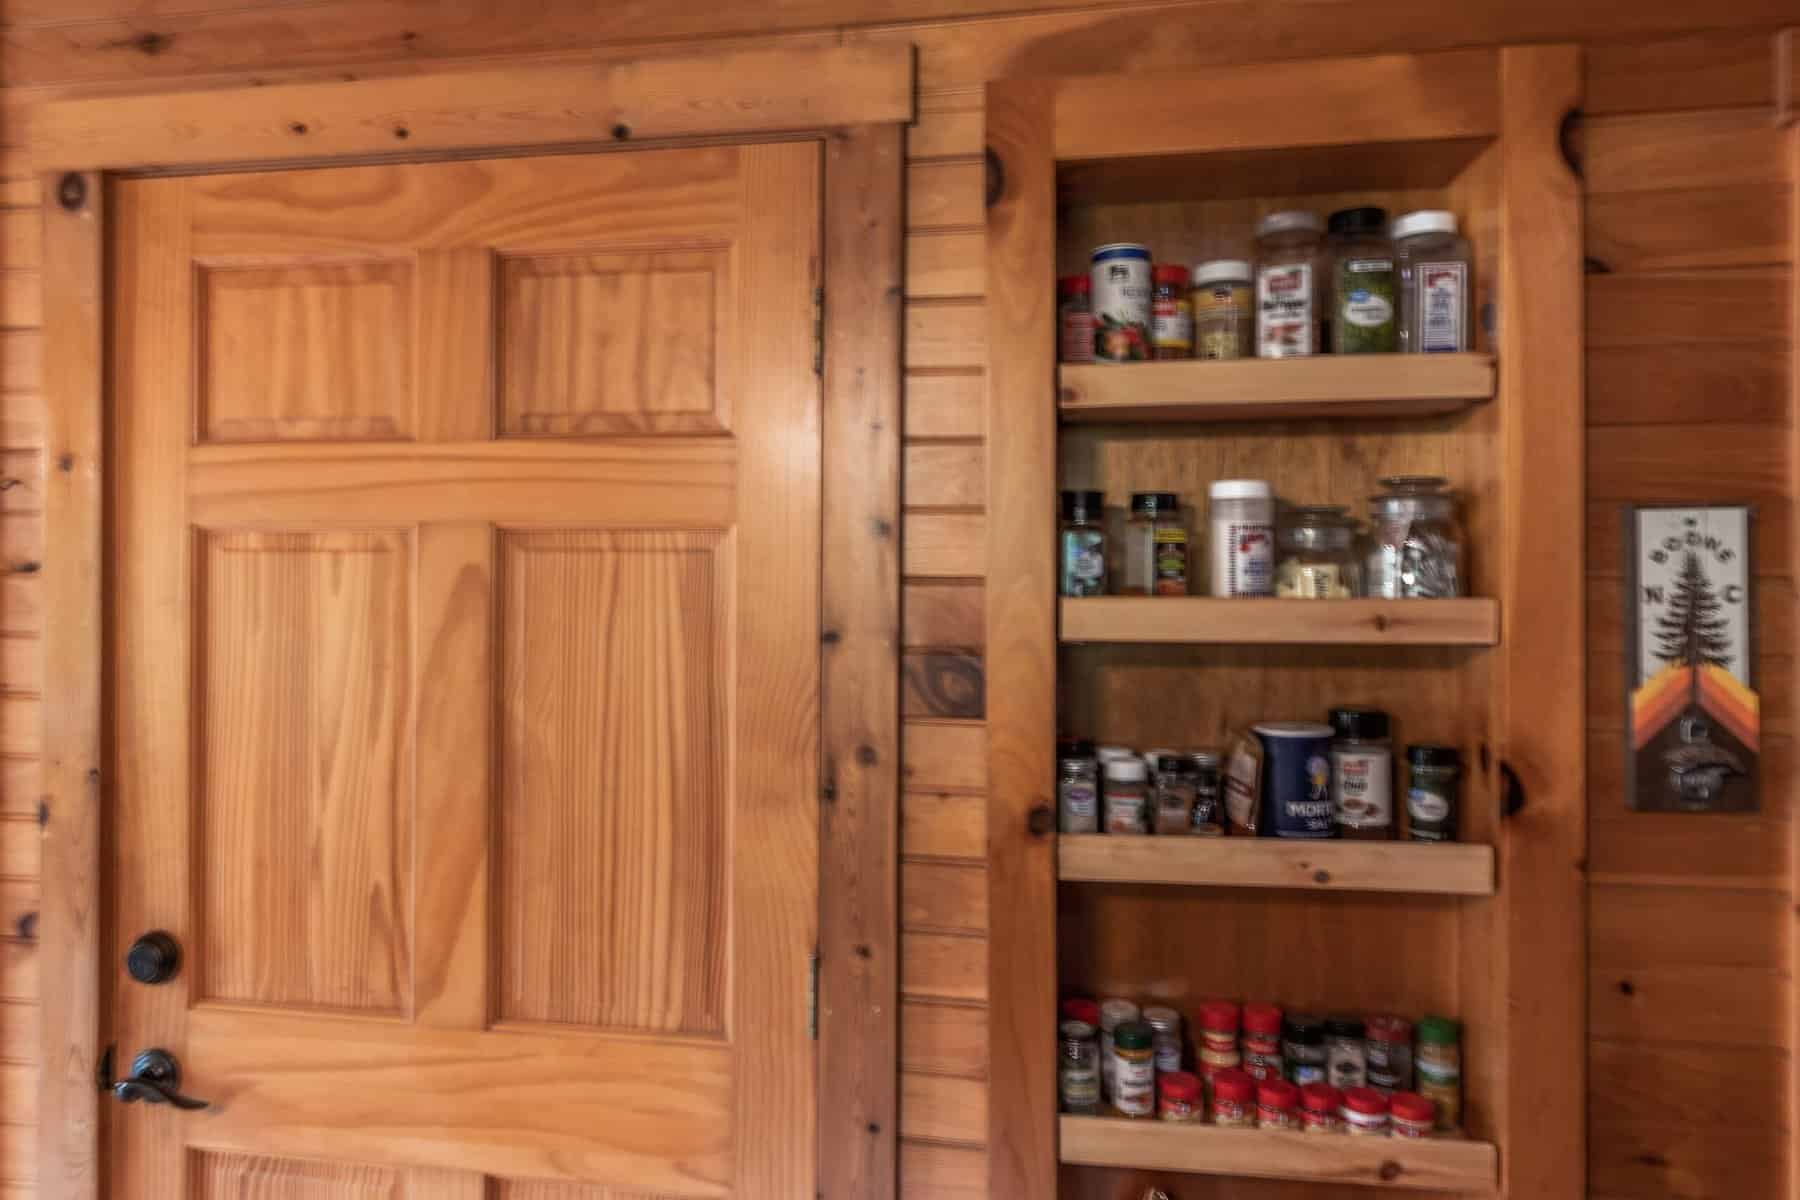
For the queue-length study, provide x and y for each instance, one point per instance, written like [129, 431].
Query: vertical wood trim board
[1790, 38]
[859, 919]
[69, 1112]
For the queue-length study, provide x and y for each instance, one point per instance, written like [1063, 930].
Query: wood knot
[1040, 821]
[866, 756]
[297, 128]
[1381, 623]
[27, 926]
[402, 132]
[621, 132]
[863, 951]
[1321, 876]
[65, 462]
[1390, 1171]
[831, 637]
[1627, 988]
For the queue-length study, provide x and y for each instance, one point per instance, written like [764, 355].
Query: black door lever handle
[155, 1079]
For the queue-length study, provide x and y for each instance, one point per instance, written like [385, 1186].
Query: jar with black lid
[1083, 566]
[1365, 291]
[1362, 774]
[1431, 794]
[1303, 1048]
[1156, 551]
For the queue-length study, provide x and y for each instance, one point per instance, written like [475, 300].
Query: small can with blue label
[1297, 779]
[1120, 274]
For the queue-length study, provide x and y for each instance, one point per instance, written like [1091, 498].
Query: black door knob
[153, 958]
[155, 1079]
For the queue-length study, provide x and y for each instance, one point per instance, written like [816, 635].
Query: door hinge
[819, 331]
[812, 995]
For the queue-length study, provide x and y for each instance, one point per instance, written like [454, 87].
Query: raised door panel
[222, 1175]
[550, 1189]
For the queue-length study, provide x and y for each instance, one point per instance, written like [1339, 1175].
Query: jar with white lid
[1242, 514]
[1437, 283]
[1126, 796]
[1224, 310]
[1290, 270]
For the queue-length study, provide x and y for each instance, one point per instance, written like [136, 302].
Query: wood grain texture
[1688, 227]
[942, 1039]
[1718, 147]
[1142, 620]
[1692, 308]
[226, 1176]
[950, 967]
[1461, 870]
[940, 475]
[929, 1171]
[945, 403]
[938, 684]
[1728, 382]
[943, 825]
[944, 615]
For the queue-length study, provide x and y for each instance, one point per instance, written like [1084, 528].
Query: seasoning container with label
[1082, 1008]
[1388, 1050]
[1431, 793]
[1316, 556]
[1233, 1100]
[1277, 1105]
[1165, 1031]
[1078, 1068]
[1243, 786]
[1288, 273]
[1437, 283]
[1365, 290]
[1218, 1038]
[1412, 1115]
[1113, 1013]
[1156, 546]
[1134, 1070]
[1346, 1061]
[1178, 1097]
[1207, 819]
[1174, 794]
[1362, 774]
[1077, 788]
[1303, 1046]
[1297, 778]
[1224, 310]
[1416, 541]
[1120, 275]
[1262, 1041]
[1439, 1066]
[1125, 796]
[1083, 557]
[1319, 1105]
[1242, 517]
[1365, 1112]
[1171, 313]
[1075, 318]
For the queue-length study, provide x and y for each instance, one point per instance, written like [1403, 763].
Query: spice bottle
[1365, 313]
[1155, 546]
[1362, 774]
[1171, 313]
[1075, 316]
[1303, 1047]
[1218, 1038]
[1416, 542]
[1134, 1070]
[1319, 1105]
[1165, 1034]
[1412, 1115]
[1388, 1050]
[1126, 796]
[1078, 1068]
[1120, 275]
[1082, 1008]
[1077, 788]
[1208, 816]
[1224, 311]
[1083, 544]
[1113, 1013]
[1317, 557]
[1287, 285]
[1365, 1112]
[1277, 1105]
[1262, 1041]
[1242, 516]
[1346, 1062]
[1233, 1100]
[1437, 283]
[1439, 1066]
[1178, 1097]
[1431, 793]
[1174, 802]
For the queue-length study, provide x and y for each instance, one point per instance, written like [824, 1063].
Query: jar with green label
[1439, 1064]
[1365, 291]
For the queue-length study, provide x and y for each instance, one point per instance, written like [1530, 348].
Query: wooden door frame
[856, 101]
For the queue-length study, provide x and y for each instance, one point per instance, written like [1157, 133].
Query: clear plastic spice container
[1317, 559]
[1277, 1105]
[1242, 517]
[1413, 1116]
[1388, 1050]
[1346, 1064]
[1233, 1100]
[1155, 546]
[1126, 796]
[1174, 794]
[1365, 1112]
[1078, 1067]
[1083, 566]
[1114, 1012]
[1288, 285]
[1178, 1097]
[1319, 1105]
[1171, 313]
[1262, 1041]
[1365, 309]
[1418, 542]
[1224, 310]
[1165, 1034]
[1077, 788]
[1208, 816]
[1303, 1048]
[1437, 284]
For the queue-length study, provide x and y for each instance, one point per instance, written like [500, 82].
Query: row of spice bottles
[1256, 1065]
[1363, 288]
[1289, 779]
[1413, 549]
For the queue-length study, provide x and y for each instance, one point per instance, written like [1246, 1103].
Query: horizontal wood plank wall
[1683, 207]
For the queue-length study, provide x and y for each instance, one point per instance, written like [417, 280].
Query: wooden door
[464, 647]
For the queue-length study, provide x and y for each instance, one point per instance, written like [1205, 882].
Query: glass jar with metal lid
[1418, 542]
[1317, 557]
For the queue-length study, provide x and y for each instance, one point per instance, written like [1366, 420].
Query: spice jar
[1389, 1053]
[1242, 515]
[1362, 774]
[1224, 311]
[1083, 544]
[1317, 560]
[1077, 788]
[1319, 1105]
[1365, 1112]
[1437, 284]
[1365, 310]
[1277, 1105]
[1440, 1068]
[1431, 793]
[1113, 1013]
[1219, 1026]
[1417, 542]
[1287, 285]
[1233, 1100]
[1171, 314]
[1174, 802]
[1303, 1046]
[1081, 1008]
[1165, 1031]
[1126, 796]
[1178, 1097]
[1262, 1041]
[1412, 1115]
[1155, 546]
[1120, 287]
[1297, 778]
[1134, 1070]
[1075, 317]
[1078, 1068]
[1208, 816]
[1346, 1062]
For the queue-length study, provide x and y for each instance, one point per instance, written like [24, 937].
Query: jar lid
[1370, 723]
[1411, 1106]
[1303, 1027]
[1220, 1015]
[1368, 219]
[1116, 1012]
[1121, 250]
[1433, 756]
[1414, 485]
[1262, 1018]
[1321, 1097]
[1222, 270]
[1278, 1093]
[1127, 770]
[1152, 503]
[1347, 1027]
[1178, 1085]
[1233, 1084]
[1075, 1029]
[1133, 1035]
[1292, 729]
[1080, 1008]
[1440, 1031]
[1162, 1019]
[1204, 758]
[1365, 1100]
[1240, 489]
[1291, 221]
[1083, 506]
[1426, 220]
[1107, 752]
[1075, 748]
[1169, 273]
[1074, 285]
[1389, 1029]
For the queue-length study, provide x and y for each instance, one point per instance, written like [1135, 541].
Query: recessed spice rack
[1468, 621]
[1366, 385]
[1439, 1164]
[1450, 869]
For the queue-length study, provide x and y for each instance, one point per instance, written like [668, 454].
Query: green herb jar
[1365, 292]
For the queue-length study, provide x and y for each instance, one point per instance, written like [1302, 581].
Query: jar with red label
[1178, 1097]
[1075, 316]
[1233, 1099]
[1365, 1112]
[1219, 1026]
[1262, 1041]
[1277, 1105]
[1413, 1115]
[1171, 314]
[1389, 1054]
[1081, 1008]
[1319, 1105]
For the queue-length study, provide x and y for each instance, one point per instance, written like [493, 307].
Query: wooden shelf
[1444, 1164]
[1453, 869]
[1351, 385]
[1471, 621]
